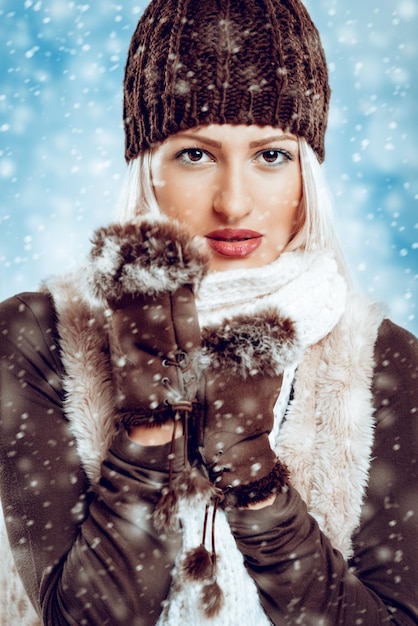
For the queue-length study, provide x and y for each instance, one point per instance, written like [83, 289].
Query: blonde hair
[315, 230]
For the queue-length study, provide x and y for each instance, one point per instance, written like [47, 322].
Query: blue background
[61, 139]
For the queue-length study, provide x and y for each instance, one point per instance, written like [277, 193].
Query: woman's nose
[232, 199]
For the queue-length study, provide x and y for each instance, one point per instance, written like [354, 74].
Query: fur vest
[325, 438]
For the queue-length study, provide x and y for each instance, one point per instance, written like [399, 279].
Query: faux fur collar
[328, 432]
[88, 385]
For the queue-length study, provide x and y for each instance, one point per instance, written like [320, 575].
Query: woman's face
[239, 187]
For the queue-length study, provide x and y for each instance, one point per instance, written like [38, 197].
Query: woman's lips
[238, 242]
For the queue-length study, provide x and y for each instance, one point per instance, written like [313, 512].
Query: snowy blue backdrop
[61, 139]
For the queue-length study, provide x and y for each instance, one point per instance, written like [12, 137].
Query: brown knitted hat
[198, 62]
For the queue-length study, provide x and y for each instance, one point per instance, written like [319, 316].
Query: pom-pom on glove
[146, 273]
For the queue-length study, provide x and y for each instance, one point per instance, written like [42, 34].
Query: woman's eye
[273, 157]
[193, 155]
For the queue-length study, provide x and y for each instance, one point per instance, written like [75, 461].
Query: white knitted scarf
[302, 286]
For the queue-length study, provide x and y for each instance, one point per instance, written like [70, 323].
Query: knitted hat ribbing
[198, 62]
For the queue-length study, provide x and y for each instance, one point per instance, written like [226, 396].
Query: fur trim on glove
[263, 344]
[259, 490]
[146, 257]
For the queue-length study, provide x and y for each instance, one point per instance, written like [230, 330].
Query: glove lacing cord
[190, 481]
[166, 510]
[199, 564]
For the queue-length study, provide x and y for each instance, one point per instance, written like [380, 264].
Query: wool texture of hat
[193, 63]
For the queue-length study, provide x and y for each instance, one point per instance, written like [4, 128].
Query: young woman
[204, 424]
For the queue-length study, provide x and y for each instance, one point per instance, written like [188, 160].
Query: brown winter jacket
[97, 559]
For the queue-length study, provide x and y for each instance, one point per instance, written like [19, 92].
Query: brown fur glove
[232, 423]
[146, 273]
[237, 395]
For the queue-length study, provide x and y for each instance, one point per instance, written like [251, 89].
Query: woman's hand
[260, 505]
[154, 435]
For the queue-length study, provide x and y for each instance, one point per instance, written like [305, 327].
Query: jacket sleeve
[297, 572]
[118, 571]
[83, 557]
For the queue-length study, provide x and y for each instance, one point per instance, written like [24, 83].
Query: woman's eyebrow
[273, 138]
[210, 142]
